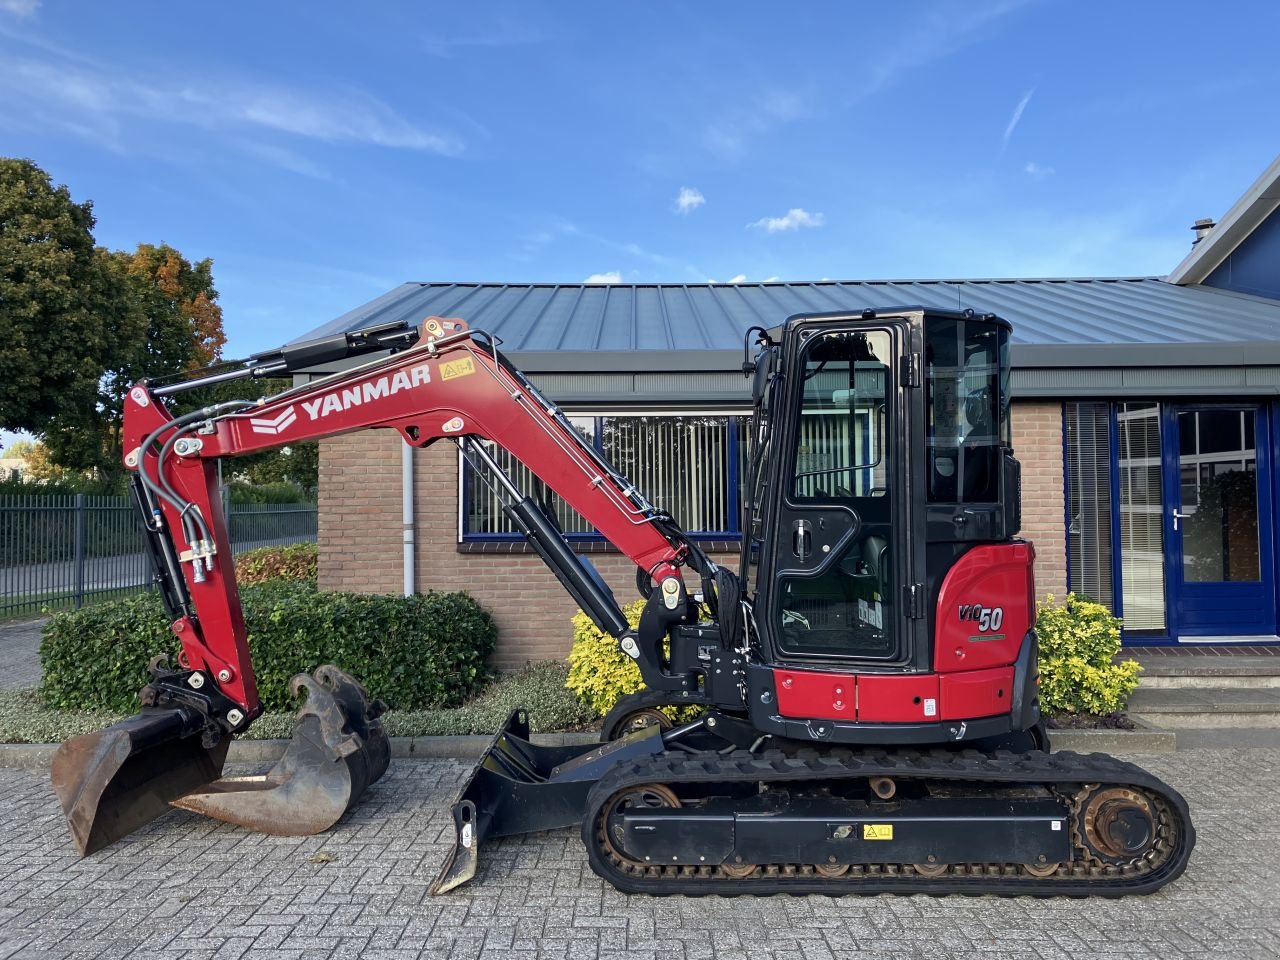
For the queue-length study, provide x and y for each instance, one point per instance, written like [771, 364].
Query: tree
[165, 320]
[52, 310]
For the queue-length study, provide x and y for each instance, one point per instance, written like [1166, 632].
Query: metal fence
[63, 550]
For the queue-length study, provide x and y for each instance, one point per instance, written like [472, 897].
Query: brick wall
[1037, 442]
[361, 545]
[360, 528]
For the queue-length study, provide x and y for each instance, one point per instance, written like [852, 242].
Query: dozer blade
[520, 787]
[338, 749]
[114, 781]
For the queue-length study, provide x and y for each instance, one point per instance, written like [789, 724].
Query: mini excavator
[865, 687]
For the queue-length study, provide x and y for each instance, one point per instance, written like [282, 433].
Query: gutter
[407, 517]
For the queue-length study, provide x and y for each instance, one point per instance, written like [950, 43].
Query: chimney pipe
[1202, 229]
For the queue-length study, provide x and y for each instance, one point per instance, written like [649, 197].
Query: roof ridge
[673, 284]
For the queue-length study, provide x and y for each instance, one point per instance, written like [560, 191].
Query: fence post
[226, 512]
[80, 551]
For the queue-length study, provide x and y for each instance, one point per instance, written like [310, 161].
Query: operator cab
[880, 454]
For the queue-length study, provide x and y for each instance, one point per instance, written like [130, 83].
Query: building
[1146, 415]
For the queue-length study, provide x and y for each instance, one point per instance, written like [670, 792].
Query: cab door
[836, 557]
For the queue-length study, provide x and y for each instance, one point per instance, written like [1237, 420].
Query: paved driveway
[187, 887]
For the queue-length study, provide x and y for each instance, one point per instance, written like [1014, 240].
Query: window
[1131, 466]
[1141, 515]
[968, 409]
[1089, 500]
[840, 441]
[687, 464]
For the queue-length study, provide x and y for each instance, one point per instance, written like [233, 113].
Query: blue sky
[323, 153]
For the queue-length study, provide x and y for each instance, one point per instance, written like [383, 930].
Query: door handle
[1178, 516]
[802, 539]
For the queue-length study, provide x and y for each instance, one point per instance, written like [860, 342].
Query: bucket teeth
[338, 748]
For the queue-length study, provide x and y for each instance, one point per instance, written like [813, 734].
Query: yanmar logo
[273, 425]
[362, 393]
[344, 399]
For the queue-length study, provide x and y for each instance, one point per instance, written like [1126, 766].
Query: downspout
[406, 500]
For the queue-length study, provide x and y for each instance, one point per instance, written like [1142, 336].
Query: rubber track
[1065, 770]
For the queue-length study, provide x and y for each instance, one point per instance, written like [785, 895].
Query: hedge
[420, 652]
[295, 562]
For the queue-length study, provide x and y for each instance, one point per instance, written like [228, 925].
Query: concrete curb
[1144, 739]
[35, 756]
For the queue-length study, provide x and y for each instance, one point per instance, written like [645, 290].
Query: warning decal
[452, 369]
[877, 831]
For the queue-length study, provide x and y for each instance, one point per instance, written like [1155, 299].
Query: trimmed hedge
[297, 562]
[421, 652]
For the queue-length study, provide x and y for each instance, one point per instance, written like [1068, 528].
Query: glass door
[1220, 557]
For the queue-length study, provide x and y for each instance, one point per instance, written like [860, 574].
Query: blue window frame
[688, 464]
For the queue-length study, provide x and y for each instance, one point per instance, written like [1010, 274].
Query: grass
[540, 688]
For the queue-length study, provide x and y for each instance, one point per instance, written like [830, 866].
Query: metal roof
[618, 317]
[622, 343]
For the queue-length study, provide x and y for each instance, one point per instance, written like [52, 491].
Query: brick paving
[20, 653]
[186, 887]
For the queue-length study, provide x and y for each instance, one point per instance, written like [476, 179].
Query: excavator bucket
[114, 781]
[338, 749]
[521, 787]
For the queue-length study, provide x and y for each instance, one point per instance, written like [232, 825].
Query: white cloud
[689, 198]
[94, 100]
[507, 33]
[1017, 115]
[1037, 171]
[742, 278]
[728, 135]
[613, 276]
[794, 219]
[20, 8]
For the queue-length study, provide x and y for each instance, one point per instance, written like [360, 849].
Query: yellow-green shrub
[600, 673]
[1078, 640]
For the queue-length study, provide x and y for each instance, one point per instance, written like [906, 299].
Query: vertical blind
[1089, 500]
[681, 463]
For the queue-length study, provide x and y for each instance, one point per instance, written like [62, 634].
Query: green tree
[53, 300]
[165, 320]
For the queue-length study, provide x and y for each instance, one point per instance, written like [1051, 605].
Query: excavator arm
[443, 381]
[452, 384]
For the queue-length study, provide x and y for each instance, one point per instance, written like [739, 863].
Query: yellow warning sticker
[462, 367]
[877, 831]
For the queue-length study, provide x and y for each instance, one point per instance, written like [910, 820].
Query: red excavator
[866, 686]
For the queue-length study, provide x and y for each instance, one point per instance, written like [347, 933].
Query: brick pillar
[359, 528]
[1037, 442]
